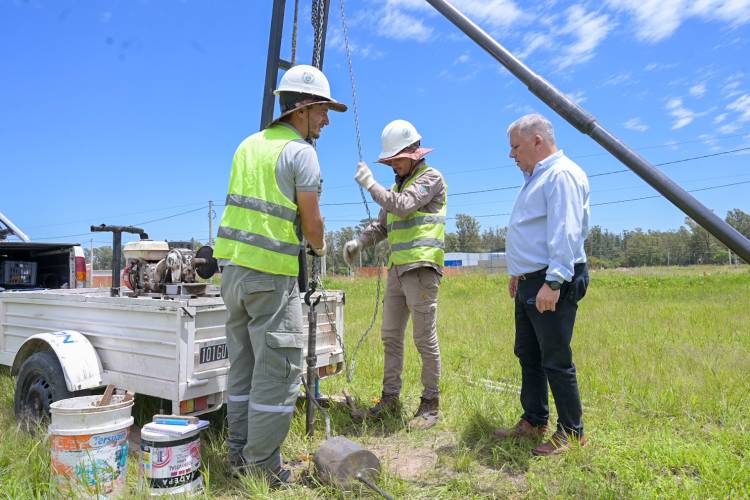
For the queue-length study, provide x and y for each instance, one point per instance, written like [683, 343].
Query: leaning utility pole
[587, 124]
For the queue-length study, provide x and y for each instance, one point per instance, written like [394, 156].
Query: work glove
[364, 176]
[351, 251]
[319, 252]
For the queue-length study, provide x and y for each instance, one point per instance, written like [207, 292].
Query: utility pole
[90, 276]
[210, 223]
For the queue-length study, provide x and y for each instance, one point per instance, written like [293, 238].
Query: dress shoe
[522, 429]
[560, 442]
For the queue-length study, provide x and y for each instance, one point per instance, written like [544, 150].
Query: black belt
[542, 273]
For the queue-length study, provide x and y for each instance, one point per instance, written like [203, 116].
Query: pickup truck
[26, 264]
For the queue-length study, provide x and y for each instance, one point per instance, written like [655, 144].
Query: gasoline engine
[158, 267]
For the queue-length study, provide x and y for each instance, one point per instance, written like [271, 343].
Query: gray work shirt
[297, 170]
[426, 194]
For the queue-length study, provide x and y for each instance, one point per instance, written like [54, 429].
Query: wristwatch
[555, 285]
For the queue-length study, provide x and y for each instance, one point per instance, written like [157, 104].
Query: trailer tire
[40, 382]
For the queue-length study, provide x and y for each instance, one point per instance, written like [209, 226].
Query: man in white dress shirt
[548, 276]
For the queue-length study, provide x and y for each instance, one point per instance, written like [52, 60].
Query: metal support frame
[272, 61]
[587, 124]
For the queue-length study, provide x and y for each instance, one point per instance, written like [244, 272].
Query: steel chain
[317, 24]
[378, 257]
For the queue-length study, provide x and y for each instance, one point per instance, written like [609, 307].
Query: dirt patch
[409, 458]
[432, 461]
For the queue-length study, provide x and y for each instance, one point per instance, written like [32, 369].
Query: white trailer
[60, 342]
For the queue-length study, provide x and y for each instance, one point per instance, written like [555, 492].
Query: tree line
[688, 245]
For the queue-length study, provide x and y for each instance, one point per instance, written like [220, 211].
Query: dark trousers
[543, 349]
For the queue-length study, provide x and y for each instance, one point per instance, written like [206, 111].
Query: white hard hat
[396, 136]
[304, 79]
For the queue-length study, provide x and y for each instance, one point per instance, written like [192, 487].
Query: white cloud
[496, 13]
[409, 4]
[657, 19]
[741, 106]
[578, 97]
[533, 41]
[720, 118]
[635, 124]
[729, 128]
[659, 66]
[336, 40]
[682, 115]
[394, 23]
[734, 12]
[463, 58]
[709, 140]
[617, 79]
[588, 30]
[697, 90]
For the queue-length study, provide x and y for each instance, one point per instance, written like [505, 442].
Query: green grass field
[663, 357]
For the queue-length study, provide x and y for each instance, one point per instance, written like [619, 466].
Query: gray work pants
[265, 341]
[413, 292]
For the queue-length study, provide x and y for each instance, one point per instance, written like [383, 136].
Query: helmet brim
[332, 104]
[415, 155]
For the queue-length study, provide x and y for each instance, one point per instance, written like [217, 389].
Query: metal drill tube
[587, 124]
[312, 360]
[116, 253]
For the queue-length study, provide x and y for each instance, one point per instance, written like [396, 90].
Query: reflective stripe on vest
[259, 226]
[420, 236]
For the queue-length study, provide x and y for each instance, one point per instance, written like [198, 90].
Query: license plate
[211, 353]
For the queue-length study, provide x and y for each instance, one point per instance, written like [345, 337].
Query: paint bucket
[171, 463]
[89, 445]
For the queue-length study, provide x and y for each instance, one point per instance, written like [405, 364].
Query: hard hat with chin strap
[302, 86]
[397, 136]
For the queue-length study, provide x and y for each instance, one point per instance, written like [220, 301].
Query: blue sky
[128, 112]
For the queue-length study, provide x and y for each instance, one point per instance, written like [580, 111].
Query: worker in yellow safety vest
[272, 203]
[412, 217]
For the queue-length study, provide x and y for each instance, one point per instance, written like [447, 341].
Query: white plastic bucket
[171, 464]
[89, 445]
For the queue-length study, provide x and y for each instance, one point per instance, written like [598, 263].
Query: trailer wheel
[40, 382]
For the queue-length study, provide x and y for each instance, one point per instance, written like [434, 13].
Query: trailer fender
[78, 358]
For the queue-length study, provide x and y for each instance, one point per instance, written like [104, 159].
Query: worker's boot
[427, 414]
[389, 405]
[276, 478]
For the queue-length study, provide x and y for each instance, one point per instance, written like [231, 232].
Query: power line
[171, 216]
[593, 155]
[136, 224]
[682, 160]
[660, 196]
[504, 188]
[112, 216]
